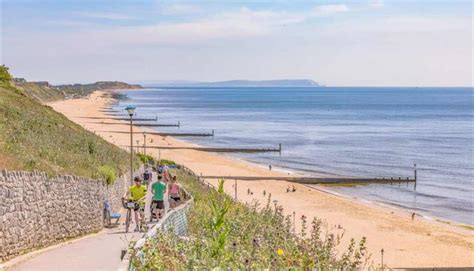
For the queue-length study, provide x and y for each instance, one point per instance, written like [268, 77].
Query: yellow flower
[280, 252]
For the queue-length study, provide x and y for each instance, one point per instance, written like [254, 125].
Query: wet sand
[407, 242]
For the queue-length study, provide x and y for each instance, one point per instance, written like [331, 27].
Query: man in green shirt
[159, 189]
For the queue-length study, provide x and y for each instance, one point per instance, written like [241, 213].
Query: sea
[339, 131]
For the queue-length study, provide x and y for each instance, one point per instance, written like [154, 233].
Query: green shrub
[167, 162]
[145, 158]
[5, 76]
[225, 235]
[108, 173]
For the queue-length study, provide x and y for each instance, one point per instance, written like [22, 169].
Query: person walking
[174, 193]
[158, 189]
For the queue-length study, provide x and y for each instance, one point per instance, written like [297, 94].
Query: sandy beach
[406, 242]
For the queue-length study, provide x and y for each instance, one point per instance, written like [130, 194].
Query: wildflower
[280, 252]
[234, 244]
[247, 262]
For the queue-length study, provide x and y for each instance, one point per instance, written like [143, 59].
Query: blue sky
[367, 42]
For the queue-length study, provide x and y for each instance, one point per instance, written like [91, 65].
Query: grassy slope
[40, 92]
[34, 136]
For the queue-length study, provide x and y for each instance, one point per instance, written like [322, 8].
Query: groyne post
[414, 165]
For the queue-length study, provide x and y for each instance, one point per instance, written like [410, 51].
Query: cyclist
[137, 194]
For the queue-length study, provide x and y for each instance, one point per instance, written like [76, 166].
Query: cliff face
[45, 92]
[41, 91]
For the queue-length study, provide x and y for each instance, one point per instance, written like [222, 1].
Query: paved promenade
[100, 251]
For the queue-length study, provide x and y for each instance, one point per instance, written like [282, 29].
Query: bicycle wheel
[107, 219]
[143, 225]
[127, 220]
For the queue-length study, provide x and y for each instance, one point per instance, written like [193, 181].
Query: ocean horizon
[340, 131]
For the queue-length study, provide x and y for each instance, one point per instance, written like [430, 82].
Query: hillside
[42, 91]
[35, 137]
[45, 92]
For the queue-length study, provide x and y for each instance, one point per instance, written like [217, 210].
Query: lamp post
[144, 143]
[131, 111]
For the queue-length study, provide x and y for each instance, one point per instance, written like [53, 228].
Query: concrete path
[97, 252]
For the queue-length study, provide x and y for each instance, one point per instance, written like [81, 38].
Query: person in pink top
[174, 193]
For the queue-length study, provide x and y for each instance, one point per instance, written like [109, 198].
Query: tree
[5, 76]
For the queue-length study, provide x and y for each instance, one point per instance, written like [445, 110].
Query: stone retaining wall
[37, 210]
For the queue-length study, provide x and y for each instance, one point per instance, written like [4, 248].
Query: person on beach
[270, 167]
[174, 193]
[137, 194]
[158, 189]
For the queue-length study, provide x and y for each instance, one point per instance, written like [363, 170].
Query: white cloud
[242, 23]
[105, 15]
[326, 10]
[174, 9]
[376, 3]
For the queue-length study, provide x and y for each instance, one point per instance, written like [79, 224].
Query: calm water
[366, 132]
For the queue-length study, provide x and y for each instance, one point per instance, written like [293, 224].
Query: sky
[336, 43]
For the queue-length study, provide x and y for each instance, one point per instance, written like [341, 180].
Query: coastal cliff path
[101, 251]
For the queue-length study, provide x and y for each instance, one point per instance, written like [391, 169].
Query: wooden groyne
[125, 119]
[142, 124]
[317, 180]
[138, 119]
[167, 134]
[109, 111]
[246, 150]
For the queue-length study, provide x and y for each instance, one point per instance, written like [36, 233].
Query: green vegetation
[41, 91]
[167, 162]
[5, 76]
[225, 235]
[145, 159]
[108, 173]
[35, 137]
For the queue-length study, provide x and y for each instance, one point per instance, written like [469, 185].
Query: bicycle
[132, 205]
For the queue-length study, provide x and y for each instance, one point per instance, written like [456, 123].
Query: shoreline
[323, 188]
[383, 226]
[387, 206]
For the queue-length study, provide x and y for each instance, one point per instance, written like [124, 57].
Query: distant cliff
[238, 83]
[43, 91]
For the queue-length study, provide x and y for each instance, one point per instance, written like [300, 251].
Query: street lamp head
[130, 109]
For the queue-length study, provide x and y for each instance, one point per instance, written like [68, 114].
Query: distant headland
[236, 83]
[44, 91]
